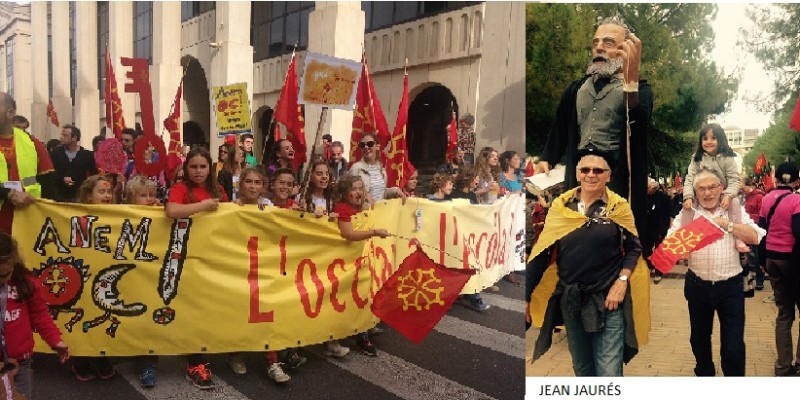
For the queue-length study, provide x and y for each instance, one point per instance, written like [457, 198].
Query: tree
[677, 38]
[556, 54]
[777, 143]
[776, 43]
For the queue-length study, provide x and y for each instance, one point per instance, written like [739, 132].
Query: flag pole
[172, 107]
[307, 175]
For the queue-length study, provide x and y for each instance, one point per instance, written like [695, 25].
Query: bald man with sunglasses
[591, 231]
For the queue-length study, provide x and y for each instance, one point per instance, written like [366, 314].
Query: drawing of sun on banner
[698, 234]
[126, 280]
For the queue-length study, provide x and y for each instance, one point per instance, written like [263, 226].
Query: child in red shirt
[197, 192]
[24, 310]
[282, 187]
[350, 196]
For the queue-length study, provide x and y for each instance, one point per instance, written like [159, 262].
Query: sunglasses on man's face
[596, 170]
[369, 144]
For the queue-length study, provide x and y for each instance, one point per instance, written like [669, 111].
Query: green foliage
[776, 43]
[556, 54]
[676, 40]
[777, 142]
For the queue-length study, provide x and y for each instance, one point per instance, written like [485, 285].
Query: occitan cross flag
[700, 233]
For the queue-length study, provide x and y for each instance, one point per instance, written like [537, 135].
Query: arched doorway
[194, 135]
[429, 117]
[197, 128]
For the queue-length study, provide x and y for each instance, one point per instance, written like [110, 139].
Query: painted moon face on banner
[110, 156]
[106, 294]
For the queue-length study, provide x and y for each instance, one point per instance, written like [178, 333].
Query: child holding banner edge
[96, 189]
[350, 201]
[197, 192]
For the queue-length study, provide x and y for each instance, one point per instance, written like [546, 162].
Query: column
[335, 28]
[166, 71]
[40, 124]
[59, 43]
[23, 78]
[87, 93]
[120, 44]
[232, 62]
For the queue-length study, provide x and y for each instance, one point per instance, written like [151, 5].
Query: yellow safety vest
[27, 164]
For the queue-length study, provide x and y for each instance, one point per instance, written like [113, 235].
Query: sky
[755, 82]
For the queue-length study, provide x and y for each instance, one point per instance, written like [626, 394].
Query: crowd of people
[335, 189]
[612, 218]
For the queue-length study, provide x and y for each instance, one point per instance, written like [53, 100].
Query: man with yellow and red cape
[597, 285]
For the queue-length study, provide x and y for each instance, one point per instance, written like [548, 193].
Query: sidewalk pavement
[669, 352]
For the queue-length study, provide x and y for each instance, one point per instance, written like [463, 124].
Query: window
[382, 14]
[276, 27]
[73, 51]
[191, 9]
[102, 43]
[143, 30]
[10, 65]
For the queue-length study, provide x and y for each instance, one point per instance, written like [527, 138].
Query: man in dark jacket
[337, 162]
[592, 111]
[73, 164]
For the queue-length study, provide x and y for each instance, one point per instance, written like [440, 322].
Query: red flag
[452, 142]
[172, 124]
[416, 297]
[795, 121]
[368, 115]
[51, 112]
[398, 168]
[700, 233]
[678, 181]
[761, 162]
[289, 113]
[529, 169]
[114, 118]
[277, 132]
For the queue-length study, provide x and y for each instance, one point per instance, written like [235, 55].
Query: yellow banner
[233, 108]
[126, 280]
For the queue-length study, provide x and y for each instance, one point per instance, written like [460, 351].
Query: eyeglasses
[369, 144]
[704, 189]
[596, 170]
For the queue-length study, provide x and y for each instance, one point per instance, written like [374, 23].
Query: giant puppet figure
[598, 109]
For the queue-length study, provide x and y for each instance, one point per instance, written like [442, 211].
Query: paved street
[469, 355]
[669, 352]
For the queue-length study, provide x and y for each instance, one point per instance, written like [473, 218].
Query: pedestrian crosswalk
[469, 355]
